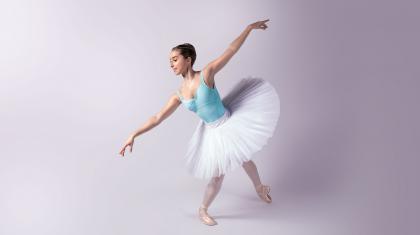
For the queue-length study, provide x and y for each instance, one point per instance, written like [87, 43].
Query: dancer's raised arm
[153, 121]
[217, 64]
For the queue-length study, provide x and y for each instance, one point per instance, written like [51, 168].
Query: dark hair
[187, 50]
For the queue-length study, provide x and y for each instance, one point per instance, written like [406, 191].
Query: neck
[189, 74]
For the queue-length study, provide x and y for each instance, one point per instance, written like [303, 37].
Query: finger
[131, 148]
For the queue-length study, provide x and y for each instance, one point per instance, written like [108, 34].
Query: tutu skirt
[252, 111]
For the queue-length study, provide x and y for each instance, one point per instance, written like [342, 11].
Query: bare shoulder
[175, 95]
[208, 76]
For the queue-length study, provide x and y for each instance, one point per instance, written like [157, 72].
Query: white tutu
[252, 111]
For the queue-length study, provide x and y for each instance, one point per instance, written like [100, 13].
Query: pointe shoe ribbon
[206, 218]
[263, 192]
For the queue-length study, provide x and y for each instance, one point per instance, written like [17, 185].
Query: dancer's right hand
[128, 142]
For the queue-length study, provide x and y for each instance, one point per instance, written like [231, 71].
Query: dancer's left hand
[259, 24]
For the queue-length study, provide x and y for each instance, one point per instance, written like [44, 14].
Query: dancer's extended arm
[217, 64]
[156, 119]
[172, 104]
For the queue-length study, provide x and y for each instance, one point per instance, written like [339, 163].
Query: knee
[247, 163]
[217, 180]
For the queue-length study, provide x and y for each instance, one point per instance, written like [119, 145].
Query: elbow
[156, 120]
[233, 48]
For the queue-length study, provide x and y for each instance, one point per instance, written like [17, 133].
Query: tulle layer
[252, 112]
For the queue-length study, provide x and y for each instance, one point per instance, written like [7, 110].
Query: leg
[251, 170]
[212, 189]
[262, 190]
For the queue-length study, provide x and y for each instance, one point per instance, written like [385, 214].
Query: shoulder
[176, 95]
[208, 75]
[207, 72]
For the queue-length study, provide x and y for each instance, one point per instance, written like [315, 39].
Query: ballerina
[230, 130]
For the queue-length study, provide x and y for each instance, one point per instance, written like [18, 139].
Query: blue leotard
[206, 103]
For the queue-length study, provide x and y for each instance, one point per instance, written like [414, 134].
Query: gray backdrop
[77, 77]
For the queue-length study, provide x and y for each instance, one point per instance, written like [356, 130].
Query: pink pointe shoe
[205, 217]
[263, 191]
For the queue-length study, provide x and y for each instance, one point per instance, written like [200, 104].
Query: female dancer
[229, 130]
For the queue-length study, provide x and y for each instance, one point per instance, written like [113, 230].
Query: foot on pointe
[205, 217]
[263, 192]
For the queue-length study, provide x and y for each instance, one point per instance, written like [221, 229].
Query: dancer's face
[178, 63]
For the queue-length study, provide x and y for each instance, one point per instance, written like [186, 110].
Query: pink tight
[213, 187]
